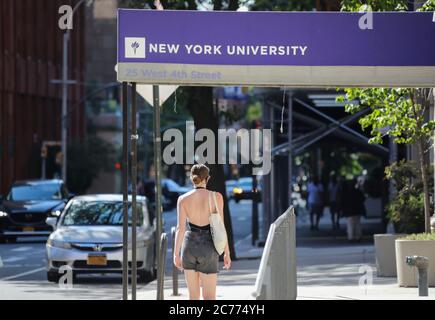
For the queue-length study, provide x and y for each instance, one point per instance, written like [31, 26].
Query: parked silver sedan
[87, 237]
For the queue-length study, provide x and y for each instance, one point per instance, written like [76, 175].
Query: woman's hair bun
[196, 179]
[199, 173]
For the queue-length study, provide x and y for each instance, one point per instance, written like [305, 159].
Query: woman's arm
[179, 234]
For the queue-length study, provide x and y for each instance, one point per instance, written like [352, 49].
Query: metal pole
[255, 211]
[125, 191]
[134, 138]
[145, 145]
[274, 213]
[174, 268]
[336, 122]
[64, 103]
[162, 262]
[64, 126]
[267, 220]
[157, 170]
[290, 144]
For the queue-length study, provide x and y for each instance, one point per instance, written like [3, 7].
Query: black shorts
[198, 252]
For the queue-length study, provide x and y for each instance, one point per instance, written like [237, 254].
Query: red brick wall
[30, 107]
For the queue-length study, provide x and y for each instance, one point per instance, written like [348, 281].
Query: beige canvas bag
[217, 227]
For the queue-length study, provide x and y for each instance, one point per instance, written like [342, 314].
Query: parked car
[245, 190]
[170, 192]
[173, 190]
[28, 204]
[229, 186]
[88, 237]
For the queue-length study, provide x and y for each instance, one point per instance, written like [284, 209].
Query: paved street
[23, 276]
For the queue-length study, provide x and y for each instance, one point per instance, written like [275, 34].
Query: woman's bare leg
[209, 282]
[192, 279]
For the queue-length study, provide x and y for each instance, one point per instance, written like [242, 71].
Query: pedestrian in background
[315, 202]
[353, 208]
[334, 193]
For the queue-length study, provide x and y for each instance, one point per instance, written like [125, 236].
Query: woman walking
[199, 258]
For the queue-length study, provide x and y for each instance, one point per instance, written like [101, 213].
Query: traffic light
[59, 158]
[44, 152]
[256, 124]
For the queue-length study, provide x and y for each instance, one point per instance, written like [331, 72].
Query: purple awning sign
[276, 48]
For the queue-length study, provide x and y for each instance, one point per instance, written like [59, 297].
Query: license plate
[94, 260]
[28, 229]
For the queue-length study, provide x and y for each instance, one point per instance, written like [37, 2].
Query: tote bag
[217, 227]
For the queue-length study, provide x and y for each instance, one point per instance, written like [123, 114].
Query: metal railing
[161, 266]
[276, 279]
[174, 268]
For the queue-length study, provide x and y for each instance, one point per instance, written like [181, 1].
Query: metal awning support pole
[134, 138]
[125, 191]
[336, 122]
[157, 170]
[267, 219]
[290, 144]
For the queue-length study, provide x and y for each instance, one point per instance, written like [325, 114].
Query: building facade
[30, 104]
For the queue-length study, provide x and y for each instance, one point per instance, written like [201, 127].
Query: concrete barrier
[276, 279]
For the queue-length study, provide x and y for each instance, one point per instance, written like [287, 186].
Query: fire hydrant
[422, 264]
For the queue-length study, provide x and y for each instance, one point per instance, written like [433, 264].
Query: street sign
[276, 48]
[146, 91]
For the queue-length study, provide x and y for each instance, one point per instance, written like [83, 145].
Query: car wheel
[237, 200]
[53, 276]
[145, 276]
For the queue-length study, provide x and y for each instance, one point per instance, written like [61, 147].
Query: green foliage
[428, 6]
[395, 113]
[282, 5]
[254, 112]
[383, 5]
[406, 210]
[185, 4]
[167, 4]
[420, 236]
[374, 5]
[86, 159]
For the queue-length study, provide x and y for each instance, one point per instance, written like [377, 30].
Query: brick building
[30, 105]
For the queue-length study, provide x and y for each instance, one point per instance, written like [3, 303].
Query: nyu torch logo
[135, 47]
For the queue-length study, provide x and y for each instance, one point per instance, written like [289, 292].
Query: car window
[99, 213]
[246, 184]
[171, 184]
[35, 192]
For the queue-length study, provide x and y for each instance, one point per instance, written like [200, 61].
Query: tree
[86, 159]
[199, 101]
[400, 113]
[282, 5]
[375, 5]
[406, 210]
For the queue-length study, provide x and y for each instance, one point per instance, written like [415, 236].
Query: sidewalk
[342, 273]
[234, 284]
[329, 268]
